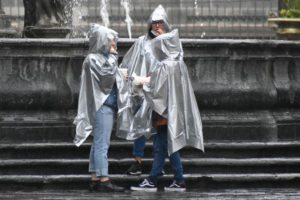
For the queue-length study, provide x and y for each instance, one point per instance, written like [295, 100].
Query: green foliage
[290, 9]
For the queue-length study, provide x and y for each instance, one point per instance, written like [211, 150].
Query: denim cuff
[102, 172]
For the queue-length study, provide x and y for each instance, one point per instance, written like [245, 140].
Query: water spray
[104, 13]
[128, 20]
[196, 7]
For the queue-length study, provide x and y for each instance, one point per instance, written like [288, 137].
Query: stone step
[119, 166]
[36, 131]
[193, 181]
[212, 150]
[218, 126]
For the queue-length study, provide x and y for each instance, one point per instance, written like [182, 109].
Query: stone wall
[246, 89]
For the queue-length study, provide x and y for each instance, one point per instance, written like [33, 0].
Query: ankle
[103, 179]
[94, 177]
[138, 159]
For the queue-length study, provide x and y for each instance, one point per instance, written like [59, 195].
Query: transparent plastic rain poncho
[99, 73]
[140, 62]
[169, 92]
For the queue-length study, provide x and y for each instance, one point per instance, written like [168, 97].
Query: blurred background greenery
[290, 9]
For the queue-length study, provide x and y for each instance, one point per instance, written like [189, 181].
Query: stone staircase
[36, 155]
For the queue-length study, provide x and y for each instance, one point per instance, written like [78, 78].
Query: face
[112, 47]
[158, 27]
[112, 44]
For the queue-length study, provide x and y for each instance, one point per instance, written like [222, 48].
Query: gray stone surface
[238, 194]
[247, 90]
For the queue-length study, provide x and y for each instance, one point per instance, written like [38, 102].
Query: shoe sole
[134, 173]
[143, 189]
[175, 189]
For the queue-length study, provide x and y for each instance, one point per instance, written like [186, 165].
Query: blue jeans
[138, 146]
[102, 131]
[160, 152]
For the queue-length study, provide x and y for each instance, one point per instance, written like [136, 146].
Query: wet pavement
[224, 194]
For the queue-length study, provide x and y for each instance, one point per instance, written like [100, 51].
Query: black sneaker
[135, 169]
[146, 185]
[106, 186]
[176, 187]
[93, 185]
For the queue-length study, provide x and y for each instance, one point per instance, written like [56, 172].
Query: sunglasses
[157, 22]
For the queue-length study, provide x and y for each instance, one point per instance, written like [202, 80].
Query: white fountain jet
[196, 7]
[128, 20]
[104, 13]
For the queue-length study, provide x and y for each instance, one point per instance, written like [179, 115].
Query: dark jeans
[160, 152]
[138, 146]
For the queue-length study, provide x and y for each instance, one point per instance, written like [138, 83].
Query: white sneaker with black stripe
[176, 187]
[146, 185]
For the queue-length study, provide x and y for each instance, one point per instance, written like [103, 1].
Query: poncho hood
[101, 38]
[158, 14]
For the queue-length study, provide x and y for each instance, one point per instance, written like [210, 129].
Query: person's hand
[159, 31]
[145, 80]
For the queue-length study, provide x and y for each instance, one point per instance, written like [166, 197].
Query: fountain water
[202, 34]
[104, 13]
[76, 15]
[196, 7]
[128, 20]
[197, 13]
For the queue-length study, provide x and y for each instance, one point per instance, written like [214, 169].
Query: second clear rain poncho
[170, 94]
[99, 74]
[140, 62]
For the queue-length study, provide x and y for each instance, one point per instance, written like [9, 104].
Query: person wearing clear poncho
[103, 91]
[140, 62]
[170, 96]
